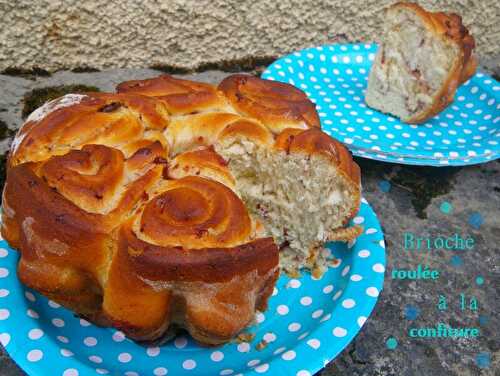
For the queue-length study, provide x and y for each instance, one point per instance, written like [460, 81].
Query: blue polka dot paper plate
[335, 79]
[308, 322]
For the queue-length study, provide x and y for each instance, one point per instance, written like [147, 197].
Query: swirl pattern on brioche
[180, 96]
[186, 133]
[117, 120]
[195, 212]
[97, 178]
[275, 104]
[89, 175]
[201, 162]
[124, 209]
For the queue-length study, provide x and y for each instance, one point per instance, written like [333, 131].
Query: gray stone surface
[469, 189]
[55, 34]
[474, 189]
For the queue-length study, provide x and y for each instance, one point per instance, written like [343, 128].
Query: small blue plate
[335, 79]
[308, 323]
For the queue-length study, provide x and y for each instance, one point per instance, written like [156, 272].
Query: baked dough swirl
[196, 213]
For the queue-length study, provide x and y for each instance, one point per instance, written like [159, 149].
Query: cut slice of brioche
[295, 188]
[422, 59]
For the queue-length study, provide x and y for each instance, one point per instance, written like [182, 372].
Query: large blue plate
[309, 321]
[335, 78]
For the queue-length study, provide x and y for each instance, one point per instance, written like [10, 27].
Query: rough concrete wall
[55, 34]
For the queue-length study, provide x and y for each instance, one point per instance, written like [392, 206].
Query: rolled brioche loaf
[423, 57]
[165, 205]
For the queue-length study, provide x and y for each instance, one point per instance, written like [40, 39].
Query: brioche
[298, 181]
[172, 203]
[421, 61]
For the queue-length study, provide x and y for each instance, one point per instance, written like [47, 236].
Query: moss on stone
[84, 70]
[26, 73]
[252, 65]
[5, 131]
[425, 183]
[37, 97]
[171, 69]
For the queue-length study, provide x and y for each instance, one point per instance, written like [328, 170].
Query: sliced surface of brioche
[422, 59]
[304, 189]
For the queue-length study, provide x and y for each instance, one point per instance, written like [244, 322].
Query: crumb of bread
[293, 273]
[261, 345]
[300, 201]
[334, 262]
[245, 337]
[317, 272]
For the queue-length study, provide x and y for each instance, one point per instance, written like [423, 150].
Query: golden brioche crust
[180, 96]
[108, 119]
[314, 141]
[277, 105]
[201, 162]
[449, 27]
[124, 212]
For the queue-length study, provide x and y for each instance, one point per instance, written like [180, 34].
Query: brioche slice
[298, 181]
[304, 189]
[421, 61]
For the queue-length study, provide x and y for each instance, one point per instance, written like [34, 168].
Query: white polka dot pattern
[34, 355]
[160, 371]
[189, 364]
[335, 79]
[153, 351]
[308, 320]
